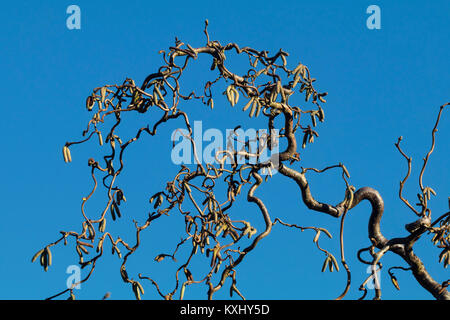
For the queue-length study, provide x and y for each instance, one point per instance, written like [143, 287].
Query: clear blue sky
[381, 84]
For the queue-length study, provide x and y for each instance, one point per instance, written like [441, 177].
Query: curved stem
[400, 246]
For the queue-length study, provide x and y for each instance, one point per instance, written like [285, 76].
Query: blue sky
[382, 84]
